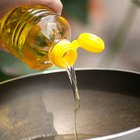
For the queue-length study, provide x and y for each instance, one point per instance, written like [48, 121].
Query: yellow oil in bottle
[29, 33]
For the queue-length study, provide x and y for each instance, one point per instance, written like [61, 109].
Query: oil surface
[63, 137]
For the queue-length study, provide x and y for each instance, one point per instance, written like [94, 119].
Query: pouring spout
[63, 54]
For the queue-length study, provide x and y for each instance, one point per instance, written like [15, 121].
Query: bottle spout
[63, 54]
[89, 42]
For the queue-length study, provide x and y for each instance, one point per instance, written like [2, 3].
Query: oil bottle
[40, 38]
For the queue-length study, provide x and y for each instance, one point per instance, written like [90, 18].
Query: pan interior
[44, 105]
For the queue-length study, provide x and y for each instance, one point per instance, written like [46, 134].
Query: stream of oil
[73, 80]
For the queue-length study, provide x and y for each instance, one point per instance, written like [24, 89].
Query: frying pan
[42, 105]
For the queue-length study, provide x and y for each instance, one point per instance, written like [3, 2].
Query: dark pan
[43, 104]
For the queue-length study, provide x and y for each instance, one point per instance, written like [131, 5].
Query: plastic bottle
[40, 38]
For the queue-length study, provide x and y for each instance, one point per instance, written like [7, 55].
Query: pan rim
[63, 70]
[121, 135]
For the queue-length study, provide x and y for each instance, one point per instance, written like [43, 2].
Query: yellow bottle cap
[91, 42]
[63, 54]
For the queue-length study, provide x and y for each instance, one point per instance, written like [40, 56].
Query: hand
[6, 5]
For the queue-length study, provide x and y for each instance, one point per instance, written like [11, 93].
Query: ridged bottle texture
[29, 33]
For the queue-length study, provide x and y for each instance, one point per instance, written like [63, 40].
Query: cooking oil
[73, 80]
[29, 33]
[40, 38]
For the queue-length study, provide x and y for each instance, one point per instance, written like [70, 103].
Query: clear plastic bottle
[40, 38]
